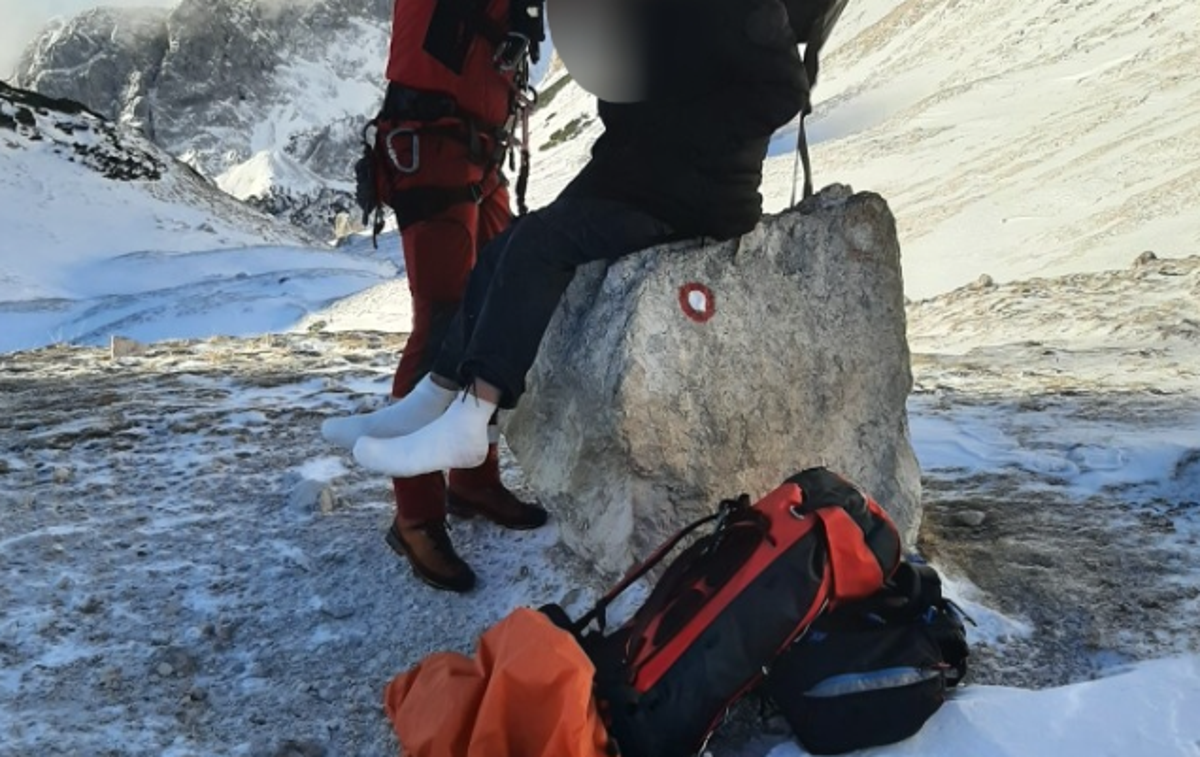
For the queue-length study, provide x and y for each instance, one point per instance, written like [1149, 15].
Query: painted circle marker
[698, 302]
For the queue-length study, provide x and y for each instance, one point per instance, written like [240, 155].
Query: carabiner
[415, 165]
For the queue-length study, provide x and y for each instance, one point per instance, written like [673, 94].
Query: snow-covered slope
[103, 232]
[563, 128]
[1024, 139]
[1037, 138]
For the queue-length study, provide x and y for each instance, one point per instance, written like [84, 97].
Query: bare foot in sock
[458, 439]
[424, 404]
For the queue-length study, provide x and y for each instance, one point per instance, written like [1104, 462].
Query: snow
[554, 164]
[1037, 139]
[209, 547]
[1130, 333]
[71, 217]
[91, 257]
[266, 170]
[1053, 139]
[324, 469]
[338, 76]
[190, 295]
[1148, 710]
[988, 626]
[385, 306]
[1086, 457]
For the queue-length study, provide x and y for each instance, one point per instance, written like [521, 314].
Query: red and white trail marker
[698, 302]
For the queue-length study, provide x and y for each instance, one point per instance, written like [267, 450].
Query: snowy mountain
[106, 233]
[233, 87]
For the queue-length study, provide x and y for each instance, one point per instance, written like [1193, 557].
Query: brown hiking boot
[479, 492]
[432, 556]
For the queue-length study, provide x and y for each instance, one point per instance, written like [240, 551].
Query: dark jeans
[521, 276]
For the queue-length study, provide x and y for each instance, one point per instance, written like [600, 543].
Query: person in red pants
[456, 79]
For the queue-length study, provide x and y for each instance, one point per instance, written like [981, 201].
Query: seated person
[683, 161]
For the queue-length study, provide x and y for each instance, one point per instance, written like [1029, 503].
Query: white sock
[419, 407]
[458, 439]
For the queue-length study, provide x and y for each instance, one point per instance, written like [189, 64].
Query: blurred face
[600, 44]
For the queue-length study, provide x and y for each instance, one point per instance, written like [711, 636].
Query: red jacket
[434, 50]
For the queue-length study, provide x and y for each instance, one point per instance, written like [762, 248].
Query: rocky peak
[104, 57]
[81, 136]
[220, 82]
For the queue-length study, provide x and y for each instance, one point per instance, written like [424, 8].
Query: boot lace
[438, 533]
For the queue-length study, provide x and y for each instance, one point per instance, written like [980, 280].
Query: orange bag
[527, 693]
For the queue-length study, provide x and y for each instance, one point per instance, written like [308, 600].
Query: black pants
[521, 276]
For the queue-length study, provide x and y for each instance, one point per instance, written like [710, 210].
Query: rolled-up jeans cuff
[510, 388]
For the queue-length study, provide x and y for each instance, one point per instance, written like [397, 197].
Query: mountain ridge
[218, 83]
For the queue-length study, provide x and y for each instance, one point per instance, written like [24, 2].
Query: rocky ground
[181, 578]
[190, 570]
[1058, 422]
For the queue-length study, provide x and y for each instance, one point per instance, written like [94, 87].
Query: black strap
[407, 104]
[812, 67]
[727, 508]
[526, 160]
[404, 104]
[598, 613]
[417, 204]
[805, 161]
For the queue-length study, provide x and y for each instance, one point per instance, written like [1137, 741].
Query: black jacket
[723, 76]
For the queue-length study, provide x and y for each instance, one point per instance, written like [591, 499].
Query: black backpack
[728, 605]
[872, 672]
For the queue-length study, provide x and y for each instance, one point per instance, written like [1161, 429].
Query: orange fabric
[481, 89]
[856, 572]
[526, 693]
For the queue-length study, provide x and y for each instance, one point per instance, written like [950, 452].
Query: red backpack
[728, 606]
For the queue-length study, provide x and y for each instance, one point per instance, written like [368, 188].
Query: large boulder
[693, 372]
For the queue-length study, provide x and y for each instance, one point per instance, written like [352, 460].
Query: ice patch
[1085, 456]
[323, 469]
[248, 418]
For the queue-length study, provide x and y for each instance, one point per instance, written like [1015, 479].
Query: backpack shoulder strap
[599, 612]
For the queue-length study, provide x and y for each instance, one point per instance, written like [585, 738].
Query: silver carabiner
[415, 165]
